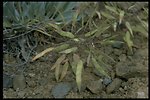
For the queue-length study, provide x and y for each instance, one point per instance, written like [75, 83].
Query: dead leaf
[59, 60]
[42, 53]
[79, 74]
[129, 27]
[64, 70]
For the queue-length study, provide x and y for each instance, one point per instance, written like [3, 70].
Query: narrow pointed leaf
[57, 72]
[76, 59]
[73, 49]
[64, 70]
[128, 40]
[42, 53]
[59, 60]
[112, 9]
[79, 74]
[129, 27]
[101, 30]
[88, 59]
[107, 15]
[61, 47]
[90, 33]
[99, 68]
[121, 17]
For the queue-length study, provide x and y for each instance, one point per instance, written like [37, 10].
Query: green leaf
[129, 27]
[59, 60]
[101, 30]
[99, 68]
[61, 47]
[90, 33]
[64, 70]
[73, 49]
[128, 40]
[76, 59]
[57, 72]
[79, 74]
[107, 15]
[66, 34]
[112, 9]
[121, 17]
[139, 28]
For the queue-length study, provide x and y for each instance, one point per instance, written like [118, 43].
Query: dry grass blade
[99, 68]
[64, 70]
[88, 59]
[79, 74]
[115, 26]
[57, 71]
[73, 49]
[90, 33]
[129, 27]
[41, 31]
[107, 15]
[101, 30]
[112, 9]
[59, 60]
[128, 40]
[42, 53]
[139, 28]
[121, 17]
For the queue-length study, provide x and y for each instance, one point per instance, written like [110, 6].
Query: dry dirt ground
[36, 80]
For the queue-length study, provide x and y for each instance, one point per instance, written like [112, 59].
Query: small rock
[122, 57]
[95, 86]
[31, 83]
[107, 81]
[117, 45]
[141, 95]
[75, 87]
[10, 93]
[7, 81]
[21, 94]
[114, 85]
[117, 52]
[43, 81]
[61, 89]
[125, 70]
[19, 82]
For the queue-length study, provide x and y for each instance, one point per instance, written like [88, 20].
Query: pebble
[124, 70]
[19, 82]
[95, 86]
[114, 85]
[117, 45]
[61, 90]
[7, 81]
[106, 81]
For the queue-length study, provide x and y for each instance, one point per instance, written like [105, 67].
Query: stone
[61, 89]
[19, 82]
[95, 86]
[122, 57]
[125, 70]
[114, 85]
[117, 45]
[106, 81]
[7, 81]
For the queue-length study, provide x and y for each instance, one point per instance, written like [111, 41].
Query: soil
[36, 80]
